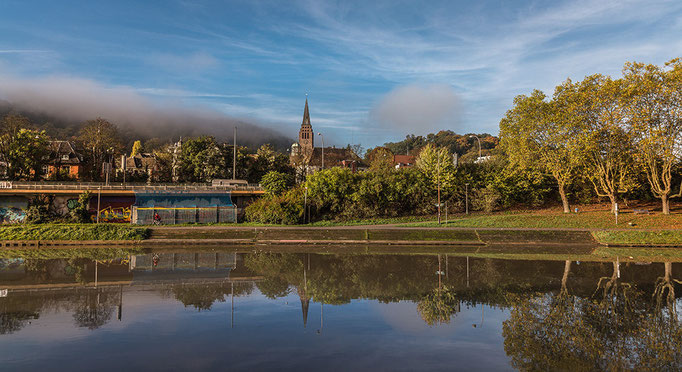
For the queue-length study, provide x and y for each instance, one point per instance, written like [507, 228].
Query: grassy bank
[557, 219]
[73, 232]
[665, 237]
[86, 253]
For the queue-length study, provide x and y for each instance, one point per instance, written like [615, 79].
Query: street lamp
[322, 137]
[479, 144]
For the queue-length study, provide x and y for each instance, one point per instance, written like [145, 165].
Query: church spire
[306, 115]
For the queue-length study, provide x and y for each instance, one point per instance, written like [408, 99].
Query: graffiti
[71, 204]
[109, 214]
[12, 215]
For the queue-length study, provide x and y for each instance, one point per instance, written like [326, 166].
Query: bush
[39, 210]
[285, 209]
[80, 213]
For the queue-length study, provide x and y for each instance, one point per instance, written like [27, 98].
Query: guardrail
[123, 186]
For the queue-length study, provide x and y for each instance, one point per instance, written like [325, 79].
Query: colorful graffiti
[13, 209]
[109, 214]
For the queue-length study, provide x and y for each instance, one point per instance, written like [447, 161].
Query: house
[307, 159]
[63, 161]
[142, 165]
[402, 161]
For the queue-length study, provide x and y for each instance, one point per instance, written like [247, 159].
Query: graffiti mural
[109, 214]
[13, 209]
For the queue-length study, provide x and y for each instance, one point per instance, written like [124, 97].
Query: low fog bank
[61, 105]
[419, 109]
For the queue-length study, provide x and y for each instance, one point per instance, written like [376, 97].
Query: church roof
[306, 115]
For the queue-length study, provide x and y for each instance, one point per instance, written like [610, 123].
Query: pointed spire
[306, 115]
[305, 304]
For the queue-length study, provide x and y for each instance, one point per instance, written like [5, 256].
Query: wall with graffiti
[112, 208]
[13, 209]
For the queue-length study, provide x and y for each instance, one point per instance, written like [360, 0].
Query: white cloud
[418, 108]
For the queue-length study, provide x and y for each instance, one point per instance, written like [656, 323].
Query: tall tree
[101, 141]
[137, 148]
[594, 105]
[653, 102]
[534, 134]
[28, 153]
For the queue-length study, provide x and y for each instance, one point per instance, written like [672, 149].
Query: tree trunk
[564, 199]
[613, 200]
[665, 204]
[564, 278]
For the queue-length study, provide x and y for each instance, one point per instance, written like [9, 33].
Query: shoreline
[402, 235]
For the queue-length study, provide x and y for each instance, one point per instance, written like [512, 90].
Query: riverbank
[389, 234]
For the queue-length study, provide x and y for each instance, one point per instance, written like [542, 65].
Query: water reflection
[546, 315]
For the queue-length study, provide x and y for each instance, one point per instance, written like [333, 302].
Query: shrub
[80, 213]
[39, 210]
[285, 209]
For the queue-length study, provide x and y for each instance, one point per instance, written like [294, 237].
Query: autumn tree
[380, 159]
[100, 140]
[535, 134]
[137, 148]
[594, 106]
[653, 103]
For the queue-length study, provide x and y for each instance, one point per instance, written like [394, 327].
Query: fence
[82, 186]
[179, 215]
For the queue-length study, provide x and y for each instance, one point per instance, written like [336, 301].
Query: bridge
[128, 189]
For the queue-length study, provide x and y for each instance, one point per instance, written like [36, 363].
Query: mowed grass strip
[664, 237]
[73, 232]
[557, 219]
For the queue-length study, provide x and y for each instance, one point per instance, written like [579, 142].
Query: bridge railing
[44, 185]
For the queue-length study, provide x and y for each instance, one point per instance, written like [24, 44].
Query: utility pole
[234, 155]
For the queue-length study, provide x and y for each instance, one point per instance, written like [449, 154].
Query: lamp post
[322, 137]
[479, 144]
[438, 182]
[234, 155]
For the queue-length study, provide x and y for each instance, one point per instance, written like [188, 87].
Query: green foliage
[285, 209]
[268, 160]
[380, 159]
[80, 213]
[275, 183]
[203, 159]
[39, 210]
[72, 232]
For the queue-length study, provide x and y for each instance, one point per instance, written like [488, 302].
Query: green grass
[87, 253]
[73, 232]
[556, 219]
[664, 237]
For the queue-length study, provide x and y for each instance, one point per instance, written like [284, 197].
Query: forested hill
[461, 144]
[163, 128]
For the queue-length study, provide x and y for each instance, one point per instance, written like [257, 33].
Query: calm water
[257, 310]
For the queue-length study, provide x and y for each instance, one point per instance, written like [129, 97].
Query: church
[307, 159]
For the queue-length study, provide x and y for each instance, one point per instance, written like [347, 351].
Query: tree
[101, 141]
[594, 104]
[537, 134]
[80, 213]
[137, 148]
[9, 128]
[275, 183]
[653, 104]
[202, 159]
[437, 164]
[380, 159]
[266, 160]
[28, 153]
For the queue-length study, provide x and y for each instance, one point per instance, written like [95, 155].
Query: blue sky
[374, 70]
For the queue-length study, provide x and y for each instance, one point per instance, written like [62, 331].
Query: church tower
[306, 136]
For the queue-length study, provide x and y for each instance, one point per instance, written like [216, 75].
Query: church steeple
[306, 115]
[306, 136]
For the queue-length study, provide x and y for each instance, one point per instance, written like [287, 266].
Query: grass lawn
[557, 219]
[73, 232]
[664, 237]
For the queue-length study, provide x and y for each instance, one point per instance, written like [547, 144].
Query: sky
[373, 71]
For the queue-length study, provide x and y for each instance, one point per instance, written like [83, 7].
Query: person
[157, 219]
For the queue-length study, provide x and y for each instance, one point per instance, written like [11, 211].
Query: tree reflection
[439, 305]
[203, 296]
[616, 329]
[95, 309]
